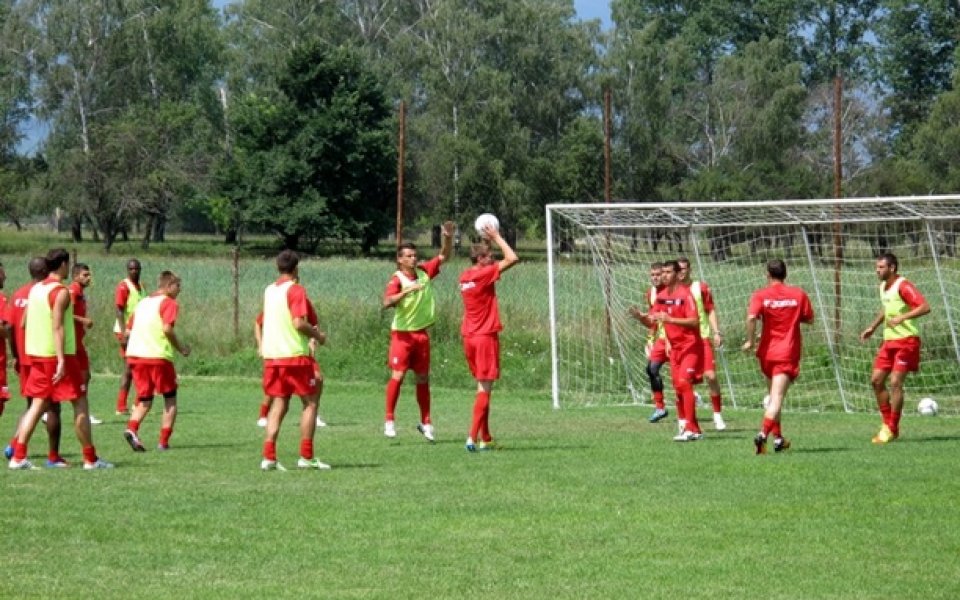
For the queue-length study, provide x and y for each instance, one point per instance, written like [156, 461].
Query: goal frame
[801, 214]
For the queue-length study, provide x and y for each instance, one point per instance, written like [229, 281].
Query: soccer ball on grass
[483, 220]
[928, 407]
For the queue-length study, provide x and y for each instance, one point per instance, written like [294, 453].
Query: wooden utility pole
[401, 143]
[606, 146]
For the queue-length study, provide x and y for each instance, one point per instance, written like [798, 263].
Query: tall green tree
[316, 160]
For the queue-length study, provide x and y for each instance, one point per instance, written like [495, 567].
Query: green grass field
[576, 504]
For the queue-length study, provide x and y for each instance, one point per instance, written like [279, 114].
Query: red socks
[89, 454]
[133, 425]
[270, 450]
[717, 403]
[393, 394]
[423, 401]
[165, 433]
[481, 407]
[264, 409]
[768, 426]
[306, 449]
[122, 400]
[658, 400]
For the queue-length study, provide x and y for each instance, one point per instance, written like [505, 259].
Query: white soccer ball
[766, 401]
[484, 220]
[928, 407]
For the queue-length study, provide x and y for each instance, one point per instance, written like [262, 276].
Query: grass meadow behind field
[575, 504]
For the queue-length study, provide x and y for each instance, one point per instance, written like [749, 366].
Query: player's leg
[779, 383]
[480, 424]
[656, 388]
[168, 420]
[398, 360]
[878, 381]
[28, 423]
[53, 423]
[897, 380]
[264, 411]
[278, 410]
[81, 424]
[710, 374]
[683, 386]
[420, 364]
[126, 377]
[308, 430]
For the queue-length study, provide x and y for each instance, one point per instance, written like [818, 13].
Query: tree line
[281, 116]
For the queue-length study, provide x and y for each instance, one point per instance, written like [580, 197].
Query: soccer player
[82, 323]
[708, 324]
[13, 317]
[676, 310]
[481, 327]
[656, 347]
[410, 292]
[54, 375]
[128, 294]
[150, 348]
[781, 308]
[900, 352]
[267, 400]
[289, 324]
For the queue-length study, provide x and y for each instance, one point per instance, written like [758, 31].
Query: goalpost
[599, 257]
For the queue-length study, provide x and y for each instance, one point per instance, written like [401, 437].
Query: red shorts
[83, 359]
[289, 380]
[688, 365]
[4, 390]
[779, 367]
[902, 356]
[39, 383]
[23, 373]
[658, 353]
[708, 361]
[483, 356]
[151, 379]
[409, 350]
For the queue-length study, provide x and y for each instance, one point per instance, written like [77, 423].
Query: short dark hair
[38, 268]
[167, 278]
[777, 269]
[656, 265]
[80, 268]
[287, 261]
[891, 259]
[55, 258]
[406, 246]
[673, 264]
[683, 260]
[134, 262]
[478, 250]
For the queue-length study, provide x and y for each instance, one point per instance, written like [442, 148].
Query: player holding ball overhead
[481, 324]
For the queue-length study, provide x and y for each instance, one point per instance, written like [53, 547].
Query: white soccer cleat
[21, 465]
[681, 425]
[311, 463]
[262, 422]
[718, 422]
[97, 464]
[390, 429]
[688, 436]
[321, 422]
[95, 421]
[271, 465]
[426, 430]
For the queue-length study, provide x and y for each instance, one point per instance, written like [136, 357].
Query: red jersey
[782, 308]
[431, 267]
[481, 313]
[79, 301]
[13, 315]
[169, 310]
[680, 305]
[300, 307]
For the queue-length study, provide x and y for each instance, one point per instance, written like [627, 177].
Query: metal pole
[837, 193]
[552, 299]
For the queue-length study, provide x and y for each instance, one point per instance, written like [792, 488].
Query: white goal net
[599, 257]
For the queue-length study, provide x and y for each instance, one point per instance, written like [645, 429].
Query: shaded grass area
[577, 503]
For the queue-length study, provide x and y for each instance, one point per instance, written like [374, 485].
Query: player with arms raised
[900, 352]
[781, 308]
[410, 293]
[481, 327]
[676, 310]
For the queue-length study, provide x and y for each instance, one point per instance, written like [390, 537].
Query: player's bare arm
[60, 305]
[258, 336]
[866, 333]
[181, 348]
[510, 257]
[715, 327]
[390, 300]
[446, 240]
[312, 332]
[751, 333]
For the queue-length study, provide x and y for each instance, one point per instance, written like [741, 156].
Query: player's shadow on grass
[821, 450]
[213, 445]
[337, 466]
[544, 448]
[931, 438]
